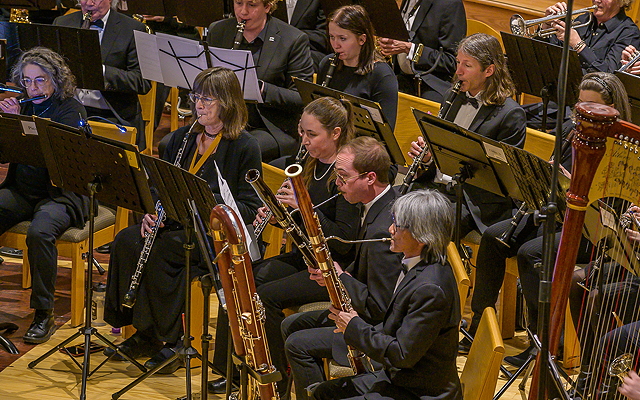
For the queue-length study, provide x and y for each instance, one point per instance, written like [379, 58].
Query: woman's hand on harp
[148, 222]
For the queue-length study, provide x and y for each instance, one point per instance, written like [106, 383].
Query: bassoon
[244, 308]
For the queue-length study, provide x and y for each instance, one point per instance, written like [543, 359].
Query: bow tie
[99, 23]
[470, 100]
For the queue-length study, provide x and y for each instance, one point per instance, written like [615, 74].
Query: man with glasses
[416, 342]
[362, 175]
[123, 80]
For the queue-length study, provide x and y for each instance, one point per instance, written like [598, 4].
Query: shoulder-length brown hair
[356, 19]
[487, 50]
[223, 85]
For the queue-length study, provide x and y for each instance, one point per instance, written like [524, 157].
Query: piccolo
[28, 99]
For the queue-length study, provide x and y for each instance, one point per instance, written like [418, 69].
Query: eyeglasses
[343, 180]
[39, 81]
[206, 101]
[393, 218]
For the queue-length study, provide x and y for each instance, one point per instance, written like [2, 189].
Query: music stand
[80, 48]
[181, 194]
[523, 52]
[29, 4]
[191, 12]
[368, 117]
[632, 84]
[103, 170]
[385, 16]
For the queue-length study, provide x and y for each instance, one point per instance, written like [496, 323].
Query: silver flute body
[150, 237]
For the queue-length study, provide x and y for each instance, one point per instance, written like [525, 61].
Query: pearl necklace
[325, 172]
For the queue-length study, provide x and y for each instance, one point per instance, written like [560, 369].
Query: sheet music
[240, 62]
[147, 49]
[181, 60]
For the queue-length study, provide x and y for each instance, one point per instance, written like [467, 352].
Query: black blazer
[285, 54]
[310, 19]
[122, 76]
[438, 23]
[504, 123]
[418, 341]
[234, 158]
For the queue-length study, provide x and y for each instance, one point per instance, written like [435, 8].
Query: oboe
[239, 32]
[302, 154]
[332, 67]
[413, 168]
[150, 237]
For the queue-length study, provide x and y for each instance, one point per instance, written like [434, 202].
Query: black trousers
[49, 220]
[360, 387]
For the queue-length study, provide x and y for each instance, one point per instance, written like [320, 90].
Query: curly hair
[487, 50]
[52, 63]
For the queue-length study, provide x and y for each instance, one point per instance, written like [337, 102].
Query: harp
[606, 165]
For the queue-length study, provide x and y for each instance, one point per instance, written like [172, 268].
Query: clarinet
[415, 165]
[302, 154]
[505, 238]
[239, 32]
[332, 67]
[150, 237]
[86, 20]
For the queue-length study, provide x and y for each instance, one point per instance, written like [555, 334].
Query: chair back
[148, 103]
[475, 26]
[539, 143]
[407, 129]
[110, 131]
[480, 373]
[461, 275]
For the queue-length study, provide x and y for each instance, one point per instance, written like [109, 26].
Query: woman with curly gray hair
[27, 192]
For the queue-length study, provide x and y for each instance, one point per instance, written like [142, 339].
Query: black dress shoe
[11, 252]
[104, 249]
[218, 386]
[41, 328]
[519, 359]
[162, 356]
[137, 346]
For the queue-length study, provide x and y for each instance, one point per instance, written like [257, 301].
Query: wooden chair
[475, 26]
[148, 103]
[407, 129]
[273, 235]
[480, 373]
[461, 275]
[74, 242]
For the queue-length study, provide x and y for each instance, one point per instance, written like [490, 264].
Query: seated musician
[432, 25]
[526, 241]
[27, 192]
[599, 44]
[216, 148]
[325, 126]
[416, 342]
[280, 52]
[483, 105]
[308, 16]
[362, 175]
[627, 55]
[359, 69]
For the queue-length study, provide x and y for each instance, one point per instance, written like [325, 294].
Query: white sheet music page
[240, 62]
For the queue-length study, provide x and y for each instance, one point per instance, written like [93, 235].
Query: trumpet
[521, 27]
[634, 59]
[621, 366]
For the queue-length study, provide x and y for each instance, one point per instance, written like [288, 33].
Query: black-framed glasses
[343, 180]
[39, 81]
[206, 101]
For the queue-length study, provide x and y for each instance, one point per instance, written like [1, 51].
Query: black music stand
[29, 4]
[104, 170]
[523, 53]
[632, 84]
[368, 117]
[181, 194]
[80, 47]
[385, 16]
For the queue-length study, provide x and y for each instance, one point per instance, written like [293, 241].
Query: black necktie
[99, 23]
[470, 100]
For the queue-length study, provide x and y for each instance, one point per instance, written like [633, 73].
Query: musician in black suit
[362, 170]
[307, 15]
[416, 342]
[122, 76]
[432, 24]
[280, 52]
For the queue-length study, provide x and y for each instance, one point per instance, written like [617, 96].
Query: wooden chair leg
[77, 286]
[26, 271]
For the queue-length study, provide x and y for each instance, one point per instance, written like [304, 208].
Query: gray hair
[52, 63]
[428, 215]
